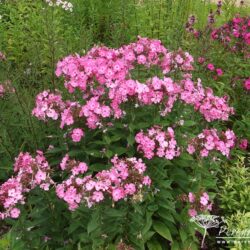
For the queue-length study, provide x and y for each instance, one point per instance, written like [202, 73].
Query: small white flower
[181, 122]
[68, 6]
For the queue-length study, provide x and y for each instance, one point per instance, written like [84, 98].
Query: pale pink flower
[203, 201]
[14, 213]
[118, 194]
[191, 197]
[192, 212]
[97, 196]
[77, 134]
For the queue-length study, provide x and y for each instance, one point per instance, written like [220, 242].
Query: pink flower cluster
[125, 179]
[94, 111]
[48, 105]
[198, 203]
[235, 34]
[154, 92]
[210, 140]
[148, 53]
[112, 66]
[70, 113]
[104, 77]
[29, 173]
[105, 70]
[210, 106]
[157, 142]
[11, 194]
[75, 167]
[33, 172]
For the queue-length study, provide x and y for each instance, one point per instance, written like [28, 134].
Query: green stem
[159, 23]
[136, 21]
[29, 122]
[9, 135]
[50, 27]
[5, 147]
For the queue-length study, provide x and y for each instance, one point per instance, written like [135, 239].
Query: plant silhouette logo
[206, 221]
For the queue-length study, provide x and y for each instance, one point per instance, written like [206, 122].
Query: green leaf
[153, 207]
[56, 150]
[165, 214]
[111, 247]
[115, 213]
[148, 223]
[131, 139]
[97, 167]
[92, 225]
[115, 138]
[148, 235]
[4, 242]
[189, 123]
[74, 226]
[74, 153]
[107, 139]
[183, 235]
[175, 246]
[141, 125]
[93, 152]
[109, 153]
[118, 150]
[154, 245]
[162, 229]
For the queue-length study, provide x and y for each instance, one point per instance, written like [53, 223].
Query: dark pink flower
[237, 20]
[214, 35]
[247, 84]
[211, 67]
[201, 60]
[247, 38]
[243, 144]
[219, 72]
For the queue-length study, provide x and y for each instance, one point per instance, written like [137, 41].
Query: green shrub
[235, 187]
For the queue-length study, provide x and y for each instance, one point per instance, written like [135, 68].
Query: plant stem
[29, 122]
[203, 239]
[5, 147]
[136, 21]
